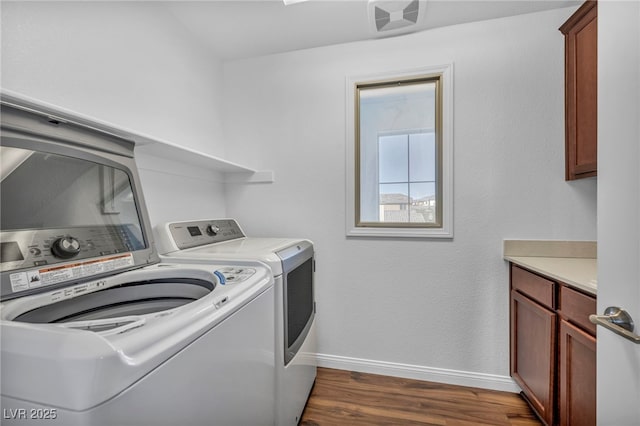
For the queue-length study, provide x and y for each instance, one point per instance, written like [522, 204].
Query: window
[399, 155]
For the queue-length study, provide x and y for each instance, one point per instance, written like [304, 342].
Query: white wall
[130, 64]
[421, 306]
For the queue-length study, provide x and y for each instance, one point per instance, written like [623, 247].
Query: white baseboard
[419, 372]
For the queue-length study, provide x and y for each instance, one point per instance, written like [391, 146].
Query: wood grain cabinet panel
[581, 88]
[577, 389]
[533, 343]
[534, 286]
[576, 307]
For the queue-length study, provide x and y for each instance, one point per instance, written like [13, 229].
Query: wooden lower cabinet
[533, 343]
[553, 348]
[577, 388]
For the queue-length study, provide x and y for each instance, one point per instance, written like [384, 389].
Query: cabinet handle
[617, 320]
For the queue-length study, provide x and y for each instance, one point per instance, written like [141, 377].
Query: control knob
[212, 230]
[65, 247]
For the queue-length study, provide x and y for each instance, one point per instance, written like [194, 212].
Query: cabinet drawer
[534, 286]
[576, 307]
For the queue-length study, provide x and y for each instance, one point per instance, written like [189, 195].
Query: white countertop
[580, 273]
[570, 262]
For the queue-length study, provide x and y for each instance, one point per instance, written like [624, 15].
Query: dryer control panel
[198, 233]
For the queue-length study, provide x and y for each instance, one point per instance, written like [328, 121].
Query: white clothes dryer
[94, 329]
[293, 265]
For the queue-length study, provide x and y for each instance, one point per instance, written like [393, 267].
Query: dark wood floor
[342, 397]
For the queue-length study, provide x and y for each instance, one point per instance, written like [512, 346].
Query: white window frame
[446, 230]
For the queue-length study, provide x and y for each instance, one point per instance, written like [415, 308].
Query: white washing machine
[293, 265]
[161, 345]
[94, 329]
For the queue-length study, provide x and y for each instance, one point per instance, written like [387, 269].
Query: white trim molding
[419, 372]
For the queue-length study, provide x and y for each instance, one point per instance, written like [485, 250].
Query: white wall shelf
[232, 172]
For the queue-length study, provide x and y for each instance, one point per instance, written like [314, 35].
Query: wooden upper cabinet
[581, 94]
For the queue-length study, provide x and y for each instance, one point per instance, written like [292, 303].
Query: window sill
[439, 233]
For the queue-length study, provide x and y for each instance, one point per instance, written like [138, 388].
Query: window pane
[83, 193]
[398, 190]
[393, 158]
[422, 190]
[422, 157]
[423, 202]
[394, 202]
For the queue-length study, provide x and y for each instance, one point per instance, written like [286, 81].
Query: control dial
[212, 230]
[65, 247]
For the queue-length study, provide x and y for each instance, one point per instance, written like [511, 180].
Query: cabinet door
[533, 347]
[581, 66]
[577, 376]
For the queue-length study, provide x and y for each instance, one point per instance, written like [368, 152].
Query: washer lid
[248, 248]
[71, 205]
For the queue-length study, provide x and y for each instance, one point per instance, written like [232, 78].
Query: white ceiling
[236, 29]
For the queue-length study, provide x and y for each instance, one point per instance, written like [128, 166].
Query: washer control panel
[198, 233]
[39, 247]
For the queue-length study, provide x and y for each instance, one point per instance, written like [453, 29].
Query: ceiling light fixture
[288, 2]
